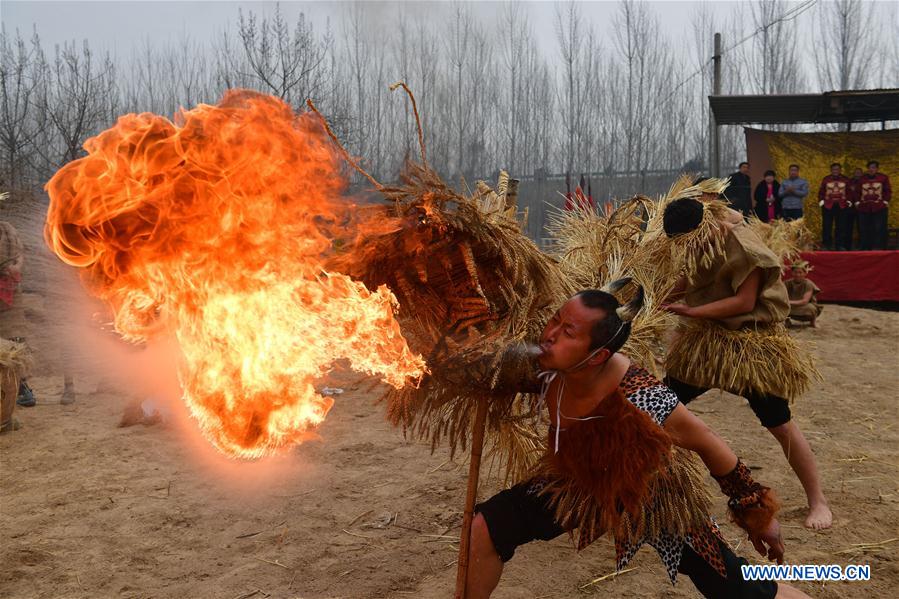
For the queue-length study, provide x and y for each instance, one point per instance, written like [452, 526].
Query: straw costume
[732, 335]
[798, 288]
[474, 295]
[748, 353]
[472, 289]
[15, 359]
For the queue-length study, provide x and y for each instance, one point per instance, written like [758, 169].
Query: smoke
[524, 349]
[71, 333]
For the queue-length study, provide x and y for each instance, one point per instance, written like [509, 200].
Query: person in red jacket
[873, 201]
[848, 216]
[833, 196]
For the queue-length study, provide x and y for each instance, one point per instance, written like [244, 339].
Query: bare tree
[379, 110]
[772, 61]
[889, 63]
[545, 99]
[844, 45]
[78, 95]
[490, 96]
[590, 90]
[187, 60]
[425, 71]
[569, 34]
[230, 67]
[402, 55]
[20, 78]
[515, 33]
[288, 64]
[458, 54]
[535, 100]
[482, 84]
[358, 58]
[641, 48]
[734, 81]
[144, 88]
[699, 87]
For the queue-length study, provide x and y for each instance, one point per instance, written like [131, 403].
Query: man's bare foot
[819, 516]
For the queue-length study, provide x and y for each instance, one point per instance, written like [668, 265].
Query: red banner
[855, 276]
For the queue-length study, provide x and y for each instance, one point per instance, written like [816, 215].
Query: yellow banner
[814, 153]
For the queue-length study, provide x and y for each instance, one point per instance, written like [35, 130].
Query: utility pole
[714, 139]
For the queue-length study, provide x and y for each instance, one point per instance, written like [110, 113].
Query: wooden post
[471, 495]
[714, 138]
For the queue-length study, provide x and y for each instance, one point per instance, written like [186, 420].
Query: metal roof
[831, 107]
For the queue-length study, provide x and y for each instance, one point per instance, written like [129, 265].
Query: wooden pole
[471, 495]
[714, 139]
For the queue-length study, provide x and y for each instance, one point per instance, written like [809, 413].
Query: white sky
[118, 26]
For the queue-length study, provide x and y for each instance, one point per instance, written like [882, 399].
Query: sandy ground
[91, 510]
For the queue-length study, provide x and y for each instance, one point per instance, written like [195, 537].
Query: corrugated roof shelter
[858, 106]
[877, 105]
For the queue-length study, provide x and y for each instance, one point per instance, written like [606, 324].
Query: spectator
[581, 199]
[792, 194]
[848, 216]
[767, 200]
[11, 353]
[803, 295]
[833, 197]
[739, 191]
[873, 207]
[11, 261]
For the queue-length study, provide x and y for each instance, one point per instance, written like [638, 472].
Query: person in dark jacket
[738, 192]
[833, 197]
[767, 198]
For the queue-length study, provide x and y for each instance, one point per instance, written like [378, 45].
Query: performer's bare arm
[689, 432]
[678, 290]
[803, 300]
[741, 302]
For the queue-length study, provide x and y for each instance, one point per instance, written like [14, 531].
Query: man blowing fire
[614, 438]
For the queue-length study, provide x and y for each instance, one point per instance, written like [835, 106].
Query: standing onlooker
[11, 258]
[767, 200]
[833, 196]
[11, 352]
[848, 215]
[873, 208]
[792, 194]
[739, 191]
[11, 262]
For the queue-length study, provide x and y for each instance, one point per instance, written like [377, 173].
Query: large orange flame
[211, 229]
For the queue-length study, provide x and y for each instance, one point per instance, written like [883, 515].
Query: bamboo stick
[471, 496]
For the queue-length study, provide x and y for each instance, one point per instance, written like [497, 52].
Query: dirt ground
[91, 510]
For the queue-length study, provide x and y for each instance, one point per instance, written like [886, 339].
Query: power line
[786, 16]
